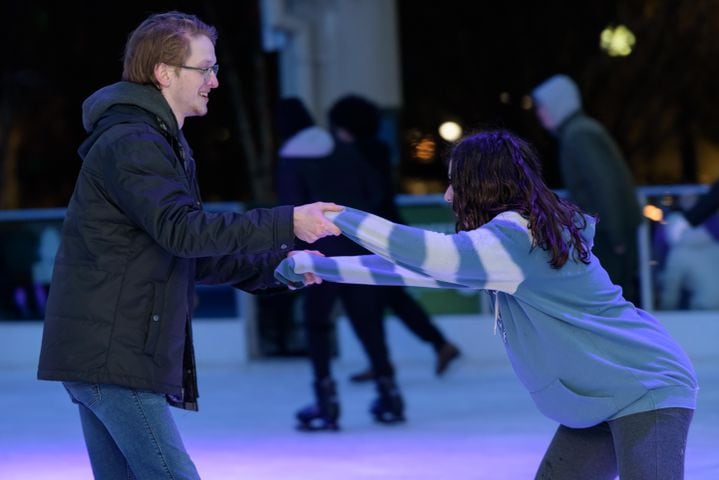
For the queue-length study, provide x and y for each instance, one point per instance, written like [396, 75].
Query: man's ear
[163, 75]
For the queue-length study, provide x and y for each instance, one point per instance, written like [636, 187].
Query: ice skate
[388, 407]
[322, 415]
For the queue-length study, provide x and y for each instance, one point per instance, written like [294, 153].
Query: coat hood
[119, 103]
[147, 97]
[559, 98]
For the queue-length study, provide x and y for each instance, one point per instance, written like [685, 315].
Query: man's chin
[199, 112]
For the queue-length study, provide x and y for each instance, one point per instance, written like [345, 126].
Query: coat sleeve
[251, 273]
[599, 181]
[144, 179]
[589, 161]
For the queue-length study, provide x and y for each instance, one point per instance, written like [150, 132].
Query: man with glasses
[136, 240]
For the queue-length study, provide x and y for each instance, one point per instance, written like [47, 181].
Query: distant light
[653, 213]
[526, 103]
[617, 41]
[423, 186]
[505, 98]
[424, 150]
[450, 131]
[667, 200]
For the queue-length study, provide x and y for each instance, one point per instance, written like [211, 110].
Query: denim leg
[142, 428]
[652, 444]
[579, 453]
[106, 459]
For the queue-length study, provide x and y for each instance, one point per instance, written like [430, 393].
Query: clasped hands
[310, 278]
[310, 224]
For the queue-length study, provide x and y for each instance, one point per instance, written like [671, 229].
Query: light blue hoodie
[584, 353]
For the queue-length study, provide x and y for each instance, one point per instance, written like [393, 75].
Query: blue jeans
[643, 446]
[130, 434]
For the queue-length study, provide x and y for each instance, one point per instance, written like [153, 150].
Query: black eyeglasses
[206, 71]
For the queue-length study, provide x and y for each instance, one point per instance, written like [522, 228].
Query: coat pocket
[572, 409]
[154, 319]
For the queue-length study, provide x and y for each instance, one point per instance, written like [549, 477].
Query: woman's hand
[309, 277]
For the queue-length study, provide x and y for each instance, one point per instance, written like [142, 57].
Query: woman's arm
[476, 259]
[362, 269]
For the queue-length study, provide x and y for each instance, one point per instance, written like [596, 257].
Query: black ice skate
[388, 407]
[323, 415]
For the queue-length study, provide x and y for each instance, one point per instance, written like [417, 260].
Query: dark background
[457, 58]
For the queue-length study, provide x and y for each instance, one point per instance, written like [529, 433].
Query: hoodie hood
[311, 142]
[589, 231]
[559, 98]
[147, 97]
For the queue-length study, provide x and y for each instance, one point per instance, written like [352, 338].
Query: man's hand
[310, 278]
[310, 224]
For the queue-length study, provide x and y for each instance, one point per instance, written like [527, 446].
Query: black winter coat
[134, 243]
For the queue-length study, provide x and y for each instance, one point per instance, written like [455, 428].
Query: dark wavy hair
[495, 171]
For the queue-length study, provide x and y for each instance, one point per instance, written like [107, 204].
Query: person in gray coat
[595, 176]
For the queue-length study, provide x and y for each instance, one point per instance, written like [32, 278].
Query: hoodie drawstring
[496, 312]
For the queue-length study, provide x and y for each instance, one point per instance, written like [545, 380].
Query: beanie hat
[291, 116]
[359, 116]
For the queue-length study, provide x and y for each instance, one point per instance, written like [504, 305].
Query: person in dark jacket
[135, 241]
[312, 166]
[355, 120]
[596, 177]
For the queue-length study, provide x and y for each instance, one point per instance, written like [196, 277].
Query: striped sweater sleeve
[412, 256]
[361, 269]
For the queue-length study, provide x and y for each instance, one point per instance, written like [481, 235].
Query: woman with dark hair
[621, 388]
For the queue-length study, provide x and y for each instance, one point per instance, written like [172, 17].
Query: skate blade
[389, 419]
[318, 427]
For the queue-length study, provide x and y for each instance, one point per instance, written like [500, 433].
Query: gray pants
[644, 446]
